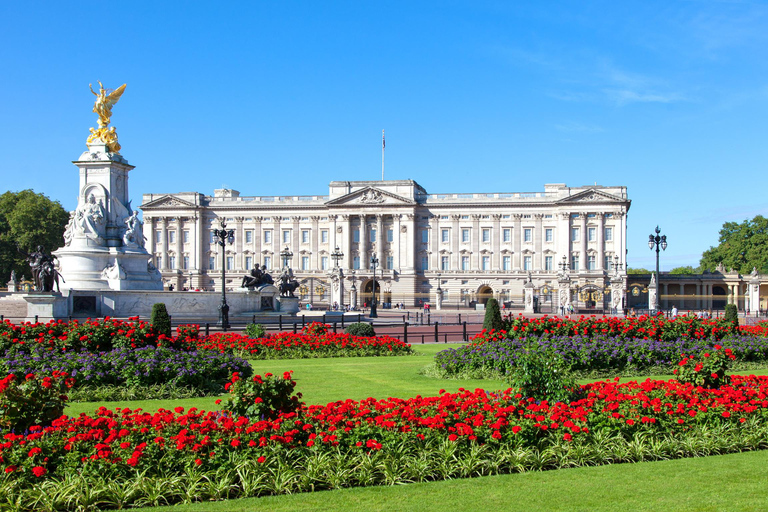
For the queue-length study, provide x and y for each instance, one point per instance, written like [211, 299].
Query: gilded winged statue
[105, 100]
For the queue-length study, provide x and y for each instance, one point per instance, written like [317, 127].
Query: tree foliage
[686, 270]
[28, 219]
[742, 246]
[492, 318]
[638, 271]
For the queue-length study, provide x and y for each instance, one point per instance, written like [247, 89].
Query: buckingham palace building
[471, 246]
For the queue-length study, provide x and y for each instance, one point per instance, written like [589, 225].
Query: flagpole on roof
[383, 145]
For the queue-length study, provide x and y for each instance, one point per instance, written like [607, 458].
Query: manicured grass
[327, 380]
[727, 482]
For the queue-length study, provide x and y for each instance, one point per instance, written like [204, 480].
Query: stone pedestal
[528, 289]
[353, 297]
[653, 289]
[104, 242]
[617, 294]
[288, 305]
[563, 294]
[45, 306]
[336, 277]
[439, 299]
[753, 293]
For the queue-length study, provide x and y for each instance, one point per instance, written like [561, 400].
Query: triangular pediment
[168, 201]
[592, 195]
[371, 196]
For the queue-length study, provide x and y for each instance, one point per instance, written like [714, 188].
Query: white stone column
[149, 232]
[434, 242]
[398, 242]
[455, 240]
[362, 247]
[517, 237]
[239, 263]
[345, 240]
[296, 249]
[563, 237]
[474, 257]
[380, 237]
[600, 241]
[583, 241]
[496, 242]
[538, 237]
[164, 242]
[257, 236]
[314, 245]
[410, 254]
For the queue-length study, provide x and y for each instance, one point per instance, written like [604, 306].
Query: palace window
[305, 236]
[172, 262]
[609, 234]
[390, 235]
[465, 263]
[171, 237]
[305, 263]
[465, 235]
[268, 262]
[575, 262]
[159, 237]
[230, 262]
[286, 236]
[506, 263]
[527, 263]
[324, 236]
[591, 262]
[575, 234]
[591, 234]
[356, 236]
[425, 263]
[445, 235]
[185, 262]
[212, 263]
[444, 264]
[268, 236]
[185, 235]
[528, 235]
[425, 235]
[549, 235]
[356, 262]
[486, 263]
[506, 234]
[372, 236]
[248, 262]
[548, 263]
[248, 237]
[486, 235]
[323, 262]
[389, 263]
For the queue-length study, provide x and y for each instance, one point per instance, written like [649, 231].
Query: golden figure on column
[105, 100]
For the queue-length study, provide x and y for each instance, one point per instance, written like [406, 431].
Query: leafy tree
[684, 270]
[28, 219]
[742, 247]
[638, 271]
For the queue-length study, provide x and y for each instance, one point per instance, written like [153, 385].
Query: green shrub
[262, 398]
[360, 329]
[543, 375]
[731, 314]
[255, 331]
[32, 400]
[707, 369]
[160, 319]
[492, 315]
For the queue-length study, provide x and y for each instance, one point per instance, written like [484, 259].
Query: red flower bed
[286, 345]
[127, 439]
[643, 327]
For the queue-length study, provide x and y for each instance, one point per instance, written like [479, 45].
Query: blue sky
[269, 98]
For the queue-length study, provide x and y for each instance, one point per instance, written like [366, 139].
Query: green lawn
[735, 482]
[730, 482]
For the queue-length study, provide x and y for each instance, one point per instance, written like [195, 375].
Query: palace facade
[472, 246]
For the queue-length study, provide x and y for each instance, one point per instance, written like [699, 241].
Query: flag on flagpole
[383, 142]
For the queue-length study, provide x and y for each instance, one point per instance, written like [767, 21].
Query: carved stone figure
[90, 219]
[134, 234]
[44, 273]
[114, 271]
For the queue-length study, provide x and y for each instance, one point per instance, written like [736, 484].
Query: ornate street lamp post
[336, 256]
[286, 254]
[223, 237]
[374, 263]
[657, 241]
[564, 264]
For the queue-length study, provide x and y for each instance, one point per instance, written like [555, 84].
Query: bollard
[405, 332]
[437, 334]
[429, 319]
[359, 318]
[334, 327]
[403, 318]
[324, 318]
[422, 339]
[465, 330]
[408, 314]
[280, 323]
[459, 317]
[70, 318]
[253, 320]
[302, 321]
[35, 318]
[207, 329]
[294, 327]
[342, 319]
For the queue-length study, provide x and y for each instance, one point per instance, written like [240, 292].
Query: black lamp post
[336, 256]
[657, 241]
[374, 263]
[223, 237]
[564, 264]
[286, 255]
